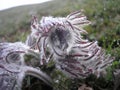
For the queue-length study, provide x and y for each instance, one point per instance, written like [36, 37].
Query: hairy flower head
[62, 38]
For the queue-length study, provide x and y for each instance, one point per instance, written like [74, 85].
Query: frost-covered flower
[56, 34]
[62, 38]
[59, 39]
[13, 68]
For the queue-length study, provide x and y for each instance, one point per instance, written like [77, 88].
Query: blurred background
[104, 15]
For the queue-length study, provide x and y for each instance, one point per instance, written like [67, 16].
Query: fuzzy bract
[62, 38]
[13, 68]
[58, 39]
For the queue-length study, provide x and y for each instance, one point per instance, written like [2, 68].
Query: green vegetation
[105, 28]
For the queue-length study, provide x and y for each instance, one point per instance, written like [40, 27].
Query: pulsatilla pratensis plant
[13, 68]
[58, 39]
[62, 38]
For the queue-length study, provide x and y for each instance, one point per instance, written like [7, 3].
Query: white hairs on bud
[13, 67]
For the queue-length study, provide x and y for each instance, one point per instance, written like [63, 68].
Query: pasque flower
[62, 38]
[13, 68]
[58, 39]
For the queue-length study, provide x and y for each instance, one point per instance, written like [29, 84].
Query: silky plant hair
[52, 38]
[62, 38]
[44, 34]
[13, 68]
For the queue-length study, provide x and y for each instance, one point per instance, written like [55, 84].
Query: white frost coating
[13, 68]
[70, 50]
[48, 26]
[58, 39]
[12, 52]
